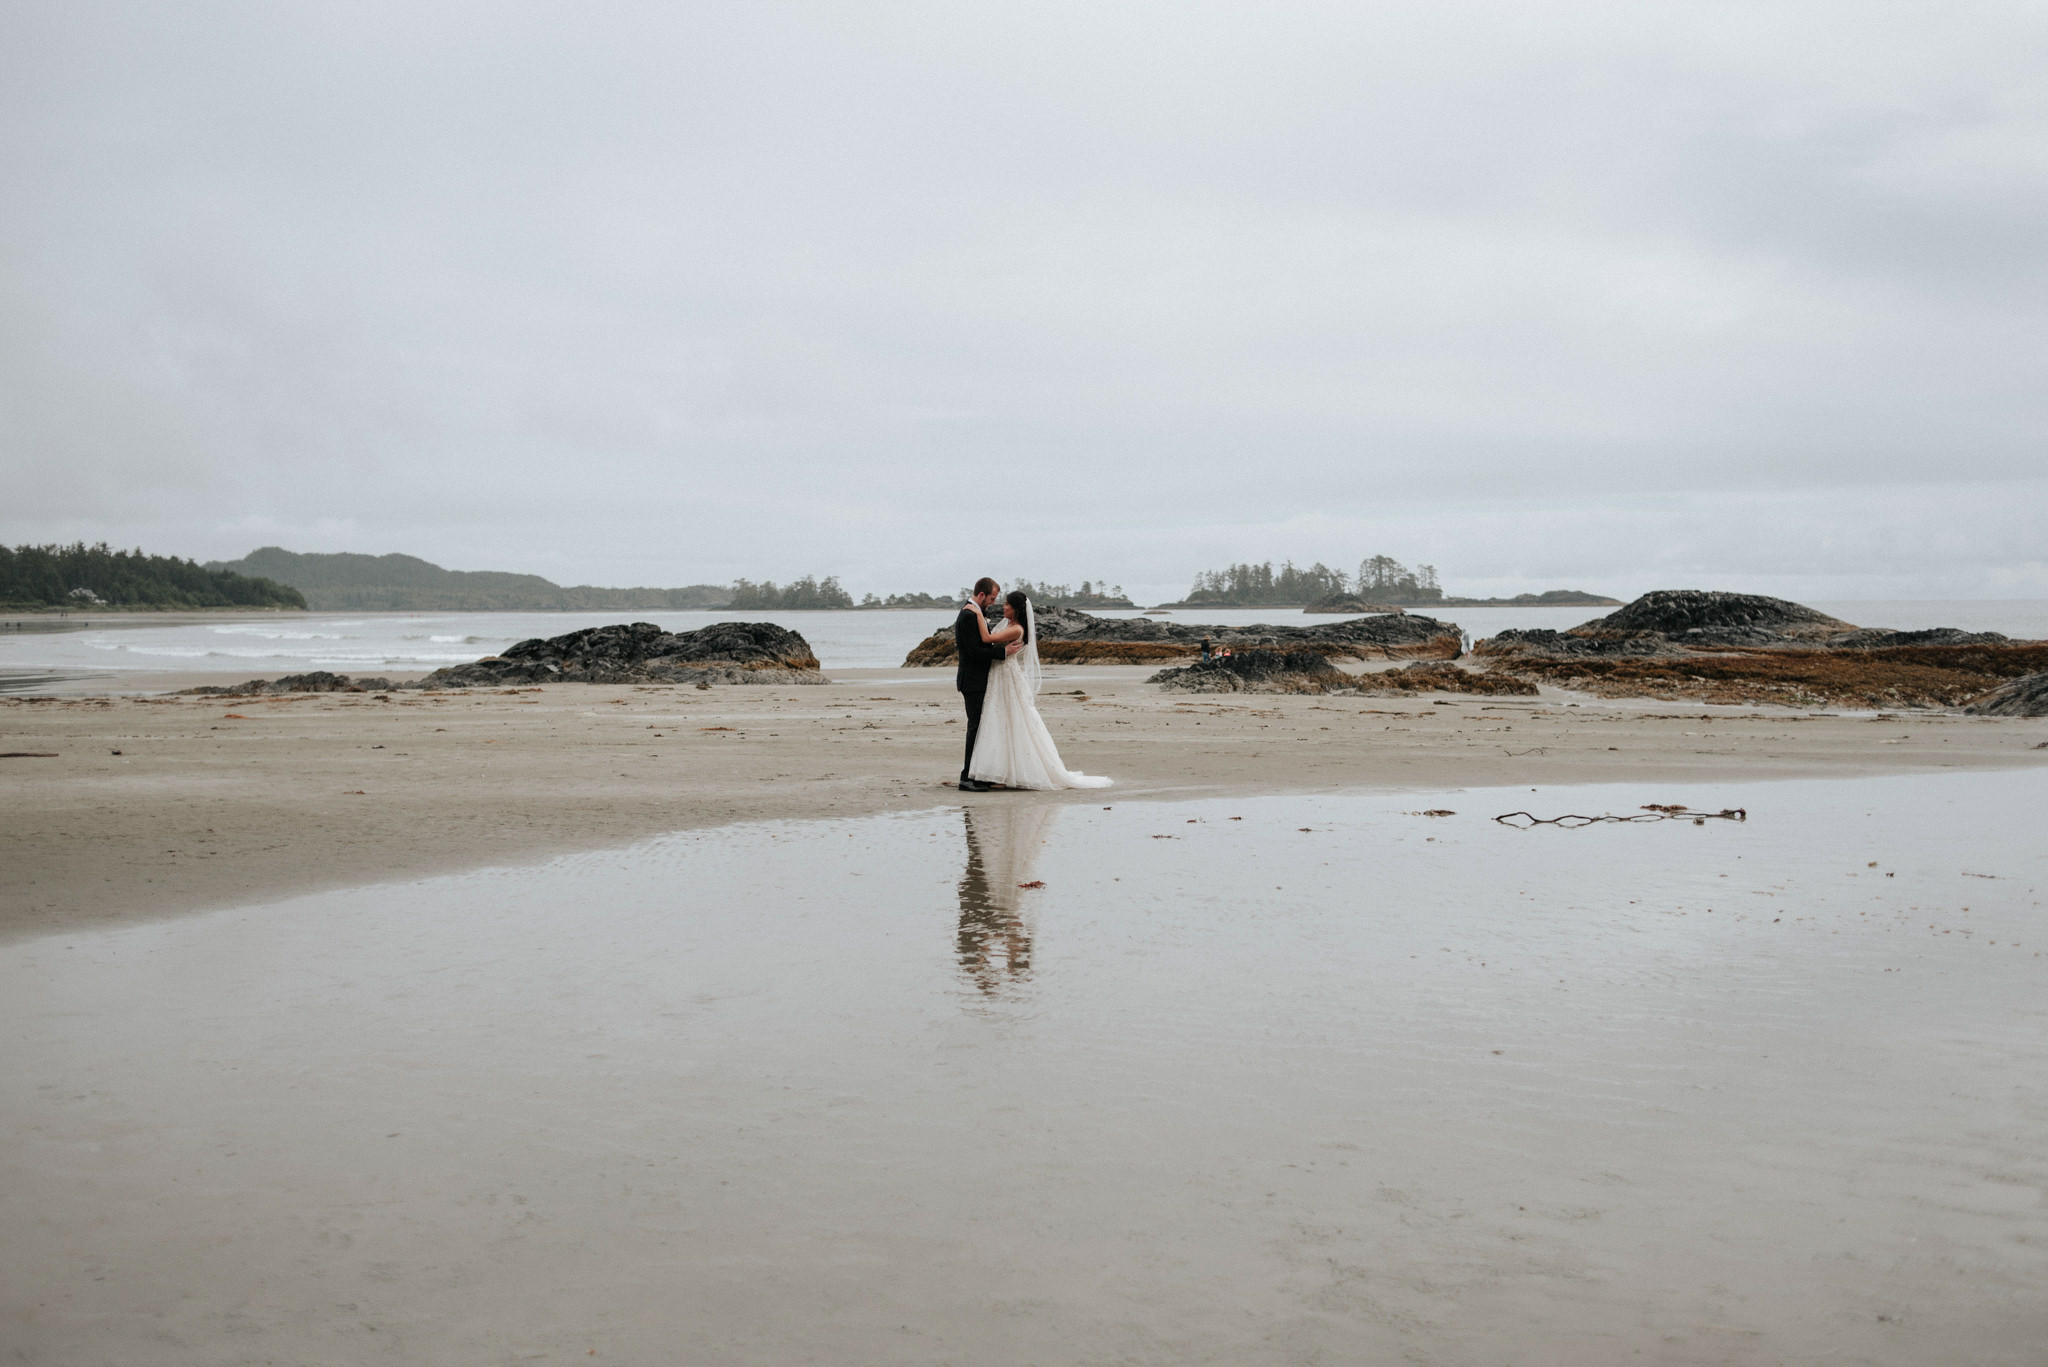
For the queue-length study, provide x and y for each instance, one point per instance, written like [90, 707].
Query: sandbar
[124, 807]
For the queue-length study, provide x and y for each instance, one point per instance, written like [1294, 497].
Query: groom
[972, 678]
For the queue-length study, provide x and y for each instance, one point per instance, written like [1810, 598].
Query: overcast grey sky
[1616, 296]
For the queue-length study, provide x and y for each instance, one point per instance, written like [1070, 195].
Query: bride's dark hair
[1016, 599]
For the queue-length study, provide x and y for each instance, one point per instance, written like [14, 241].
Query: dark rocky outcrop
[1746, 648]
[1408, 636]
[1571, 645]
[2023, 697]
[1070, 636]
[1442, 676]
[318, 681]
[725, 652]
[1256, 671]
[1672, 621]
[1304, 671]
[1677, 612]
[1904, 676]
[1676, 621]
[1879, 638]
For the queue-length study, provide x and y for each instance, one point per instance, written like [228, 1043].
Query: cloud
[645, 294]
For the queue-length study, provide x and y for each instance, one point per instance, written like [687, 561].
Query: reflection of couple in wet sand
[1007, 743]
[1003, 842]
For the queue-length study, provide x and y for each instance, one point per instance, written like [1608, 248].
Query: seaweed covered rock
[1741, 647]
[1256, 671]
[1442, 676]
[1880, 638]
[1305, 671]
[1070, 636]
[2023, 697]
[1683, 612]
[725, 652]
[1110, 652]
[1886, 678]
[1674, 621]
[1571, 645]
[317, 681]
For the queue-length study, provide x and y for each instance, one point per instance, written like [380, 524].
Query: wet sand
[217, 802]
[1232, 1080]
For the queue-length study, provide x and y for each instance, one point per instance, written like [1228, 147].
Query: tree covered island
[1381, 581]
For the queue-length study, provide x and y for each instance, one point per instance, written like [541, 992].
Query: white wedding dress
[1013, 747]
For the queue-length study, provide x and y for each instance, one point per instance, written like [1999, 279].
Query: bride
[1014, 748]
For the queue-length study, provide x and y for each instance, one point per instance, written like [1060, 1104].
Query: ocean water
[370, 643]
[1246, 1081]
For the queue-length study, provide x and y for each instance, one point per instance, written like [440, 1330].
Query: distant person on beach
[1205, 650]
[1013, 747]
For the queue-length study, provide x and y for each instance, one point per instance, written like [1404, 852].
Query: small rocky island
[1070, 636]
[1747, 648]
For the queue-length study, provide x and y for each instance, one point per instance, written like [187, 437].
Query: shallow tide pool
[1276, 1080]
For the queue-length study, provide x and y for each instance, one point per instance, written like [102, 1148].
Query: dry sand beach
[120, 808]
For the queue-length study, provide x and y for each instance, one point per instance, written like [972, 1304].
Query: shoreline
[148, 615]
[158, 806]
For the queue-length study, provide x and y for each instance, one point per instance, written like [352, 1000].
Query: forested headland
[82, 577]
[347, 582]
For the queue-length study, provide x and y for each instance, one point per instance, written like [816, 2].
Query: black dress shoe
[974, 785]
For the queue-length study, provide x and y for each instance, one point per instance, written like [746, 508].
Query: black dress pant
[974, 701]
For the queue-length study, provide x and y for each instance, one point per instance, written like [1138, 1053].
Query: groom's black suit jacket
[975, 657]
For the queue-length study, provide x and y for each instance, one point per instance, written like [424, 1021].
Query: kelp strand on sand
[1653, 811]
